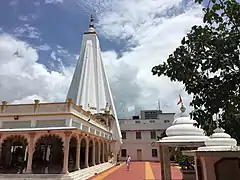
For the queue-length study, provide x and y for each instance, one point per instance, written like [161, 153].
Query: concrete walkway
[138, 171]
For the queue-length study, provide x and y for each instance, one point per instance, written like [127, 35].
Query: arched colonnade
[53, 153]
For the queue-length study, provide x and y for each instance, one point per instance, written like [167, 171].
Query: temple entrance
[90, 153]
[72, 154]
[48, 155]
[96, 152]
[101, 152]
[14, 154]
[82, 153]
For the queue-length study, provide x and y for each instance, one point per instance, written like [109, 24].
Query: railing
[33, 108]
[48, 108]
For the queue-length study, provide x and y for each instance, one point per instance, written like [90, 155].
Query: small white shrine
[182, 133]
[219, 159]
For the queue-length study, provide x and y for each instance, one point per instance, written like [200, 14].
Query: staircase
[82, 174]
[89, 172]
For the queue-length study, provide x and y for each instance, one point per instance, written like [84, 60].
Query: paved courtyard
[138, 171]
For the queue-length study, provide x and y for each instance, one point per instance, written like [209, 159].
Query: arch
[96, 152]
[48, 155]
[72, 153]
[14, 154]
[83, 145]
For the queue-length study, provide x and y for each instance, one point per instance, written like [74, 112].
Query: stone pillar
[77, 166]
[115, 148]
[86, 153]
[99, 152]
[93, 153]
[165, 162]
[30, 152]
[66, 152]
[108, 152]
[103, 154]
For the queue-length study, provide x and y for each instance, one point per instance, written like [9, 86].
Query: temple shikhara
[80, 135]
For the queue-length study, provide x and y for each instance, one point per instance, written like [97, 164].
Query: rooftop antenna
[159, 105]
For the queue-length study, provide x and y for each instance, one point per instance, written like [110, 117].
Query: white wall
[132, 144]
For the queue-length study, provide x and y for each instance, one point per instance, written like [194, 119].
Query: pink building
[138, 134]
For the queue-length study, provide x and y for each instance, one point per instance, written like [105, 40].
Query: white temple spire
[90, 87]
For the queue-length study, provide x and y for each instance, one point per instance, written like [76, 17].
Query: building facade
[138, 134]
[61, 137]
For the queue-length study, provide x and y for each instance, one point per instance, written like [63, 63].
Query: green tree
[207, 63]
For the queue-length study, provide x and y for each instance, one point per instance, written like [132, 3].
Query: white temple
[90, 88]
[64, 140]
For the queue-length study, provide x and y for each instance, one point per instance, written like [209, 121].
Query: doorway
[139, 154]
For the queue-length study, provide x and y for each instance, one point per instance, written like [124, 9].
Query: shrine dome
[219, 141]
[184, 129]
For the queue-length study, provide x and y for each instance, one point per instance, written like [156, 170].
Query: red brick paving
[175, 172]
[137, 172]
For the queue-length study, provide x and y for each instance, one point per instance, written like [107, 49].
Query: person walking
[128, 162]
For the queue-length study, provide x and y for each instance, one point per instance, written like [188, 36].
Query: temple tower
[90, 87]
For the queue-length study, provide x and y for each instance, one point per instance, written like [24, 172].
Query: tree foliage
[207, 63]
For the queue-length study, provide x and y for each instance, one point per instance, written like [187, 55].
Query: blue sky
[40, 41]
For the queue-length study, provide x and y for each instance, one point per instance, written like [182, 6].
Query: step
[89, 172]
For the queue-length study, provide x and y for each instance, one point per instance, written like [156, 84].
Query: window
[124, 152]
[137, 122]
[166, 121]
[153, 135]
[154, 153]
[138, 135]
[123, 135]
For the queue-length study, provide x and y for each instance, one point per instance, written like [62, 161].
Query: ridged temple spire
[90, 87]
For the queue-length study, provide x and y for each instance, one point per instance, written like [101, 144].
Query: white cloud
[22, 78]
[53, 1]
[154, 29]
[27, 31]
[43, 47]
[28, 17]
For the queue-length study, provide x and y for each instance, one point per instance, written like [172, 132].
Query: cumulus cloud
[153, 29]
[23, 79]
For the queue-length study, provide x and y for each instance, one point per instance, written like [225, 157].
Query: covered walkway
[138, 171]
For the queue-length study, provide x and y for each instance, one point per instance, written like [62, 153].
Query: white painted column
[66, 152]
[30, 152]
[86, 153]
[33, 123]
[77, 166]
[93, 153]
